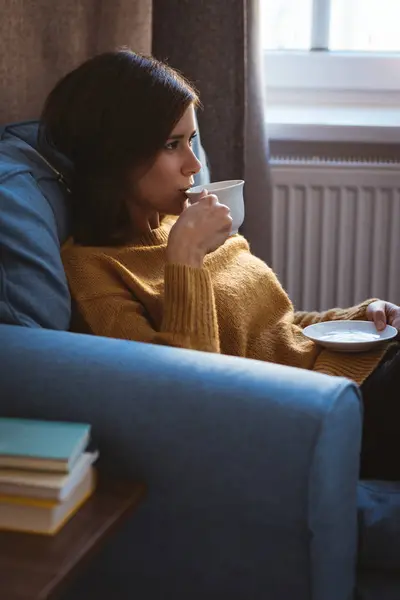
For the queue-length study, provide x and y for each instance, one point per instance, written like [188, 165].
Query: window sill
[325, 123]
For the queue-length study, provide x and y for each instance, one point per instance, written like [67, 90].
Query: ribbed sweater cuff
[360, 310]
[189, 305]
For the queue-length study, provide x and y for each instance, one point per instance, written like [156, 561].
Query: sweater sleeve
[189, 317]
[358, 312]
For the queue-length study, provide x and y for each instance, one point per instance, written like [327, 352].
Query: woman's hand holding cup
[201, 228]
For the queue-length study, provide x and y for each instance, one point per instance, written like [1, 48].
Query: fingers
[229, 221]
[196, 196]
[376, 312]
[219, 213]
[204, 197]
[380, 320]
[211, 199]
[393, 315]
[222, 237]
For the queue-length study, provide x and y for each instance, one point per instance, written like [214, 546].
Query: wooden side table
[36, 567]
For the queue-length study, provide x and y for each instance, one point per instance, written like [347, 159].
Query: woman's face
[162, 188]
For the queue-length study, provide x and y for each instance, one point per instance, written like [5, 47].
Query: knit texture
[233, 305]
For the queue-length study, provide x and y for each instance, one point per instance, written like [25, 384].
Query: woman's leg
[380, 452]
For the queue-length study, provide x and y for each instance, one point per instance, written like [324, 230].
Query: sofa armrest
[251, 467]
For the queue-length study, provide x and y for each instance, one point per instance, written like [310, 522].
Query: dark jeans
[380, 452]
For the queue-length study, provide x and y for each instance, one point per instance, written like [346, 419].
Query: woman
[146, 266]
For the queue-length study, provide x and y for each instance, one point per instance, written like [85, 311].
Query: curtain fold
[205, 41]
[41, 40]
[217, 46]
[258, 222]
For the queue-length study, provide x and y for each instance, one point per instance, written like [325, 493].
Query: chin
[177, 208]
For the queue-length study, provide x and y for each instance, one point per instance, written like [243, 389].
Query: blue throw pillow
[33, 225]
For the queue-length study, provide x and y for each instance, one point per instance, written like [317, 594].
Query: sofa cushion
[379, 525]
[33, 224]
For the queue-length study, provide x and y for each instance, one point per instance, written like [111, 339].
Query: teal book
[29, 444]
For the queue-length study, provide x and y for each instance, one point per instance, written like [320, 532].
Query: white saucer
[349, 336]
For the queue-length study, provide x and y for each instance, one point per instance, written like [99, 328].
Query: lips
[186, 188]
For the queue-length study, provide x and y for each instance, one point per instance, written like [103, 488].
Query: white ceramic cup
[229, 193]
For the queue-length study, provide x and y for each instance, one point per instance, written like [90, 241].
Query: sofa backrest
[33, 225]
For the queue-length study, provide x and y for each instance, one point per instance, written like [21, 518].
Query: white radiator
[336, 231]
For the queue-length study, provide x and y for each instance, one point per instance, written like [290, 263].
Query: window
[364, 25]
[332, 45]
[336, 25]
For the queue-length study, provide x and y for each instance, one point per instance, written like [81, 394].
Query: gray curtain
[40, 40]
[217, 46]
[257, 225]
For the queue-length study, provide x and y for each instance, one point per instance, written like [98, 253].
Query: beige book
[44, 516]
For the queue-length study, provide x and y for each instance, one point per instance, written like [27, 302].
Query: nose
[192, 165]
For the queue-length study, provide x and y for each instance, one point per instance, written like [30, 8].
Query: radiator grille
[336, 230]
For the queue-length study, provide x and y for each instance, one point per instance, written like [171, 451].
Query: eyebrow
[181, 136]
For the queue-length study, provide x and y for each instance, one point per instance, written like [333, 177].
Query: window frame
[319, 94]
[332, 71]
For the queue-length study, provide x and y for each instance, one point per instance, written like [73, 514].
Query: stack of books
[46, 473]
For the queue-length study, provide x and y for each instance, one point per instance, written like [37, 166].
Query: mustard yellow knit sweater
[234, 304]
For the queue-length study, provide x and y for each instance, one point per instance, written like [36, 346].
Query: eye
[172, 145]
[192, 138]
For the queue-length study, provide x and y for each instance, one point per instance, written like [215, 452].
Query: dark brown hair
[111, 114]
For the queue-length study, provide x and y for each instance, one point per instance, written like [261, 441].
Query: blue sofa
[251, 468]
